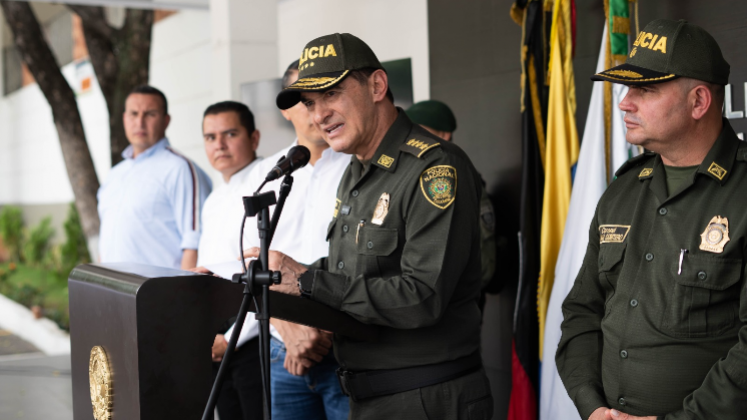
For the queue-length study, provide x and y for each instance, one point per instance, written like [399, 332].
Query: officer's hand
[200, 270]
[599, 414]
[219, 347]
[289, 269]
[617, 415]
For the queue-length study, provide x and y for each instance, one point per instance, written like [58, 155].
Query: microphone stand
[257, 282]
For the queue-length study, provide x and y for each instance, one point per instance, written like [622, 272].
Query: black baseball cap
[324, 63]
[667, 49]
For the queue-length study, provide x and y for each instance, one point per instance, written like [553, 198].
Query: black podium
[156, 327]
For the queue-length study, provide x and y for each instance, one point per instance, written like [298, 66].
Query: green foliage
[31, 286]
[11, 230]
[37, 247]
[38, 274]
[75, 249]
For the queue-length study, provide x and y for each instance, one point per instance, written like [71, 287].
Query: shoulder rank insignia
[382, 209]
[439, 184]
[418, 147]
[385, 161]
[717, 171]
[613, 234]
[715, 235]
[646, 172]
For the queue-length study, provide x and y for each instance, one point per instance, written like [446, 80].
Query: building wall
[32, 171]
[180, 66]
[394, 29]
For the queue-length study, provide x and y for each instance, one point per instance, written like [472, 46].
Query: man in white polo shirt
[231, 141]
[303, 379]
[150, 204]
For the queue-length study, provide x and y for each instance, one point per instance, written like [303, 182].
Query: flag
[525, 344]
[590, 182]
[561, 152]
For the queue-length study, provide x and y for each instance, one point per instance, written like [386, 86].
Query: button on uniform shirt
[221, 218]
[655, 322]
[405, 253]
[150, 207]
[302, 230]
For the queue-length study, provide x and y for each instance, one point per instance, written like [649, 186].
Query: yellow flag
[560, 155]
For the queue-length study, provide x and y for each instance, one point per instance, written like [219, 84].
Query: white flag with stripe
[589, 184]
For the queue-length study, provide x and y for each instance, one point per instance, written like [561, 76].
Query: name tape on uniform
[613, 234]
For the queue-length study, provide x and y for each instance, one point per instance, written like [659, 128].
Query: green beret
[434, 114]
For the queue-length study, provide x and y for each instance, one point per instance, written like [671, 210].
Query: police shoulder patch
[439, 185]
[418, 146]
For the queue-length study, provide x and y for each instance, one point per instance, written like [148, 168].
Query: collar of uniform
[160, 145]
[387, 154]
[650, 167]
[720, 159]
[655, 169]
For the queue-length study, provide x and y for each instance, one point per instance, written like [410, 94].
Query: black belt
[375, 383]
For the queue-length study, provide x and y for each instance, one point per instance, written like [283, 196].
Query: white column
[244, 44]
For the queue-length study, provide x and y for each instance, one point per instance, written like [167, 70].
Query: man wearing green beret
[403, 245]
[439, 120]
[434, 116]
[655, 326]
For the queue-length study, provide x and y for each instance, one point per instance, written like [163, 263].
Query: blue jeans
[314, 396]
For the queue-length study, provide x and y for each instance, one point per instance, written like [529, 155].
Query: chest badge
[382, 209]
[715, 235]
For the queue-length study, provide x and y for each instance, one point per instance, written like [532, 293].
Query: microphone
[297, 157]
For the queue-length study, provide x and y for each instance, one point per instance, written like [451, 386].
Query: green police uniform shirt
[405, 253]
[655, 322]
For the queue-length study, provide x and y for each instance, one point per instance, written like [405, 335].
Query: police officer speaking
[404, 245]
[655, 323]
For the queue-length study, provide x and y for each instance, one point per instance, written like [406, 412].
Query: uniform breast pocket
[705, 299]
[376, 247]
[610, 266]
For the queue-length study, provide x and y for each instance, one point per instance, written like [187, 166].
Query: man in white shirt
[303, 380]
[231, 141]
[150, 204]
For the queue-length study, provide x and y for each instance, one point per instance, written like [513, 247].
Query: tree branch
[36, 53]
[93, 18]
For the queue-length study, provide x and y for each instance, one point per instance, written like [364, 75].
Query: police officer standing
[655, 323]
[404, 245]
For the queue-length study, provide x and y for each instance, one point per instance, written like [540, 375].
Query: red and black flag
[530, 14]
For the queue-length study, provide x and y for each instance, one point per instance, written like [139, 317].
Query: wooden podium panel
[157, 327]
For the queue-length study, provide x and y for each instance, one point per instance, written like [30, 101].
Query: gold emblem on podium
[100, 382]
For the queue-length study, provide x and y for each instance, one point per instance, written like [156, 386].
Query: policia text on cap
[404, 245]
[655, 323]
